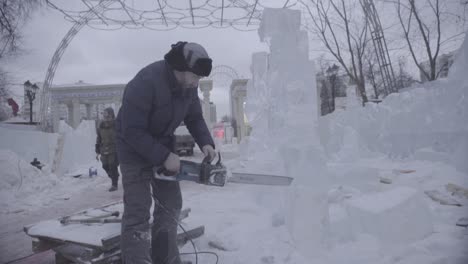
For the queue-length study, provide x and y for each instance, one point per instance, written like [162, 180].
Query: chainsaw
[216, 174]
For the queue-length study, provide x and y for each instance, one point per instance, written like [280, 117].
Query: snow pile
[19, 179]
[16, 126]
[17, 119]
[24, 186]
[16, 171]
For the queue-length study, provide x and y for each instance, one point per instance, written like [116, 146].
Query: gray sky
[100, 57]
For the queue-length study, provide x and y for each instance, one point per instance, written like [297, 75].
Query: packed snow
[361, 175]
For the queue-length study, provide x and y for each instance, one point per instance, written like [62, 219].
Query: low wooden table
[91, 236]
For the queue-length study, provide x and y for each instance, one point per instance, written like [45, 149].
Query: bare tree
[372, 75]
[423, 28]
[343, 29]
[3, 83]
[4, 95]
[13, 13]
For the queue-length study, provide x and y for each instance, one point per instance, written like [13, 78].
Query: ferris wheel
[222, 75]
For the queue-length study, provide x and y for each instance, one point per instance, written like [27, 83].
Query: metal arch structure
[166, 16]
[45, 109]
[222, 75]
[169, 14]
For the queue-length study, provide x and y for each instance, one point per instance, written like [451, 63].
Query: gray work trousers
[141, 244]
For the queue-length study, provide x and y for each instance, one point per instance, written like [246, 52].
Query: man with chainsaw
[155, 102]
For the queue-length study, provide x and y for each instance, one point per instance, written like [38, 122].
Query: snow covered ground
[247, 221]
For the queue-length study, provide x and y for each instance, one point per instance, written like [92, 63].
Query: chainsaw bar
[259, 179]
[216, 175]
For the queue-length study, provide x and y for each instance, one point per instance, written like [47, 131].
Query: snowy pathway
[52, 200]
[14, 243]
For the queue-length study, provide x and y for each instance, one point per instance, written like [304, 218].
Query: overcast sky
[103, 57]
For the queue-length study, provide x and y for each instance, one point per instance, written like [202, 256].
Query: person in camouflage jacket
[106, 147]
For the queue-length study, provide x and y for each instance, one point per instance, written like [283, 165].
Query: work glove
[98, 158]
[209, 151]
[172, 163]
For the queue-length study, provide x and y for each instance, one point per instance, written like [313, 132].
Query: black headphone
[175, 57]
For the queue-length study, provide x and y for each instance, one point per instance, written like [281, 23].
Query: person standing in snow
[106, 148]
[155, 102]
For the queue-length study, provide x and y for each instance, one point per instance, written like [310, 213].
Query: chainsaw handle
[206, 159]
[164, 171]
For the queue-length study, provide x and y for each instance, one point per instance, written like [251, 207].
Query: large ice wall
[429, 117]
[282, 109]
[78, 148]
[459, 78]
[432, 116]
[29, 144]
[459, 68]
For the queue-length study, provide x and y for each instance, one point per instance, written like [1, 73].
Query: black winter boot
[115, 180]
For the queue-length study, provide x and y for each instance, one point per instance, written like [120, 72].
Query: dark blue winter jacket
[153, 106]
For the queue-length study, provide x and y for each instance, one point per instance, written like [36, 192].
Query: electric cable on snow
[196, 253]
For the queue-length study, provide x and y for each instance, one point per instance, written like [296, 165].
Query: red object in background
[14, 106]
[218, 131]
[219, 134]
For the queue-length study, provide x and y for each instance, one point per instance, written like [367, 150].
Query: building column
[55, 112]
[69, 113]
[89, 109]
[238, 96]
[239, 107]
[206, 86]
[96, 109]
[75, 113]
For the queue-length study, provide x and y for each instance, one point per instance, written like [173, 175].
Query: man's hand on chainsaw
[208, 150]
[172, 163]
